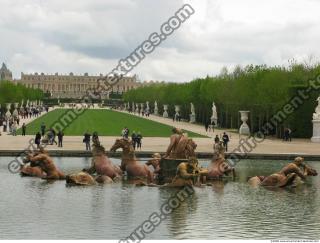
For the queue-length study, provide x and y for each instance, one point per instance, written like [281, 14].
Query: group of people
[223, 141]
[11, 125]
[87, 138]
[48, 136]
[136, 137]
[209, 126]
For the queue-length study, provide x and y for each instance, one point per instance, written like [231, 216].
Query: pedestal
[192, 118]
[316, 131]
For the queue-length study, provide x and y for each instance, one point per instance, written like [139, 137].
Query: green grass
[105, 122]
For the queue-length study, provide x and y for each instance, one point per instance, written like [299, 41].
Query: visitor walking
[24, 128]
[95, 138]
[225, 139]
[53, 136]
[289, 134]
[134, 139]
[14, 128]
[86, 140]
[60, 138]
[206, 126]
[139, 140]
[43, 129]
[37, 139]
[216, 139]
[286, 134]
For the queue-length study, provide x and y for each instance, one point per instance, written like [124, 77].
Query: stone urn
[165, 111]
[244, 128]
[316, 124]
[15, 112]
[177, 111]
[8, 113]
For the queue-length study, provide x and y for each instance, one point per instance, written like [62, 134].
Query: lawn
[105, 122]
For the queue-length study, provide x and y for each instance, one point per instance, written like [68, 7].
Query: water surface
[31, 208]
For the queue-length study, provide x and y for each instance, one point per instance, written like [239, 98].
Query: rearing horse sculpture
[101, 164]
[129, 162]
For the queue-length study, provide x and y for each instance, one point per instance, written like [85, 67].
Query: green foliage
[260, 89]
[10, 93]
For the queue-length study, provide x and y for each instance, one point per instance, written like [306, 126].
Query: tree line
[261, 89]
[12, 93]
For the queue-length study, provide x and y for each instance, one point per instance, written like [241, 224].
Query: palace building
[70, 85]
[73, 86]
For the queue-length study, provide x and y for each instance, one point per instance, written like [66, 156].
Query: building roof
[4, 67]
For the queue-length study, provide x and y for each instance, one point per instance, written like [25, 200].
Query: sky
[91, 36]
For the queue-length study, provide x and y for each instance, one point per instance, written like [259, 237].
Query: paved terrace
[156, 144]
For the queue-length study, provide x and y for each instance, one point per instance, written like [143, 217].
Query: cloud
[92, 35]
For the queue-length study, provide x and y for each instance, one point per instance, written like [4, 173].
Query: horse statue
[101, 164]
[102, 170]
[129, 162]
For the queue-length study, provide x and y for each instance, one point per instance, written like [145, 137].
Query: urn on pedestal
[244, 128]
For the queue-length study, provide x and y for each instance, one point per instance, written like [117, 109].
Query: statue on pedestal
[165, 111]
[193, 114]
[316, 124]
[156, 111]
[214, 117]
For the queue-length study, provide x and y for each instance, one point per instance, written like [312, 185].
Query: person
[216, 139]
[134, 139]
[53, 136]
[225, 139]
[60, 138]
[289, 134]
[86, 140]
[206, 125]
[14, 129]
[24, 128]
[43, 129]
[37, 139]
[139, 140]
[50, 137]
[95, 138]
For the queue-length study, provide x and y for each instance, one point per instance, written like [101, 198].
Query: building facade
[73, 86]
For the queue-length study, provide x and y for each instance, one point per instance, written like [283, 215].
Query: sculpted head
[177, 131]
[299, 161]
